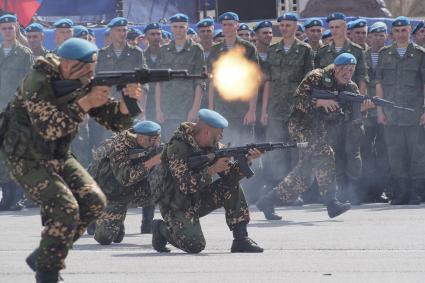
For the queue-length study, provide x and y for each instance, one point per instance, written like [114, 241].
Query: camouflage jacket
[177, 96]
[185, 186]
[233, 109]
[131, 58]
[113, 170]
[402, 79]
[328, 53]
[13, 68]
[285, 71]
[40, 127]
[310, 124]
[371, 71]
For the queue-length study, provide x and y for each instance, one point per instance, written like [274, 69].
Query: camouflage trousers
[109, 223]
[69, 200]
[184, 228]
[311, 166]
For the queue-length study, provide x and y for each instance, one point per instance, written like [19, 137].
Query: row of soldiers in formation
[71, 200]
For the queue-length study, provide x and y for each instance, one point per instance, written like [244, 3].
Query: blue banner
[77, 7]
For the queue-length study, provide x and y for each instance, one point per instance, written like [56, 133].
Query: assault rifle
[356, 100]
[64, 89]
[239, 155]
[142, 155]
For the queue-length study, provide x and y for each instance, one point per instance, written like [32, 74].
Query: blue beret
[400, 21]
[91, 32]
[166, 34]
[326, 34]
[179, 18]
[213, 119]
[359, 23]
[378, 27]
[288, 17]
[335, 16]
[118, 22]
[8, 19]
[147, 128]
[107, 32]
[80, 31]
[420, 25]
[350, 25]
[191, 31]
[64, 23]
[313, 22]
[228, 16]
[133, 33]
[263, 24]
[207, 22]
[78, 49]
[22, 30]
[345, 59]
[151, 26]
[244, 27]
[300, 27]
[218, 33]
[34, 27]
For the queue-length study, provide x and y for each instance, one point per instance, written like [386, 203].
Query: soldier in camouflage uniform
[189, 194]
[288, 61]
[311, 121]
[359, 33]
[314, 30]
[205, 30]
[347, 139]
[400, 77]
[178, 101]
[123, 180]
[15, 63]
[40, 130]
[241, 115]
[63, 31]
[35, 37]
[418, 34]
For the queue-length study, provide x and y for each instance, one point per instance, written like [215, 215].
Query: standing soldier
[400, 77]
[35, 37]
[374, 153]
[359, 33]
[288, 61]
[122, 179]
[81, 32]
[419, 34]
[37, 148]
[346, 139]
[314, 31]
[206, 32]
[300, 33]
[310, 122]
[63, 31]
[244, 32]
[240, 114]
[191, 194]
[133, 37]
[15, 63]
[191, 33]
[326, 38]
[178, 101]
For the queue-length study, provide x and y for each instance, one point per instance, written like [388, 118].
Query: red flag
[24, 9]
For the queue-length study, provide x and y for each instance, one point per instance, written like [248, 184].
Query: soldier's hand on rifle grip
[97, 96]
[153, 161]
[328, 104]
[366, 105]
[221, 165]
[133, 90]
[253, 153]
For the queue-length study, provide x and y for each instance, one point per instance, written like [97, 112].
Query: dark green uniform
[122, 181]
[285, 72]
[37, 145]
[313, 125]
[402, 80]
[177, 96]
[347, 147]
[189, 195]
[151, 62]
[234, 111]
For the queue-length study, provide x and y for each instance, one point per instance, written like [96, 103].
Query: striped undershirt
[374, 57]
[118, 52]
[401, 51]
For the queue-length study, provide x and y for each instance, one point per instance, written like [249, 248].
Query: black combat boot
[159, 236]
[91, 228]
[334, 206]
[7, 197]
[414, 190]
[266, 205]
[120, 235]
[31, 260]
[401, 192]
[242, 243]
[148, 213]
[47, 276]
